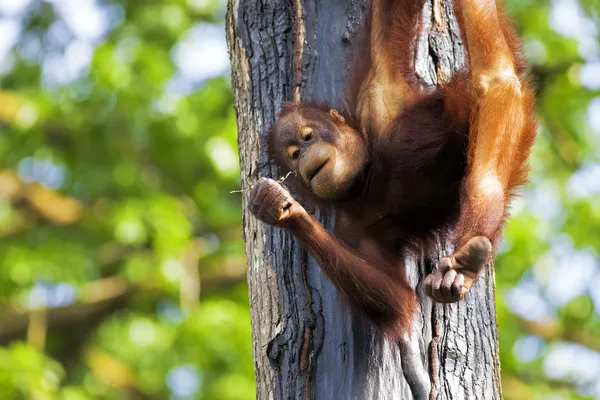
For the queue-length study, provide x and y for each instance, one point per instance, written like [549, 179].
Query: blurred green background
[122, 271]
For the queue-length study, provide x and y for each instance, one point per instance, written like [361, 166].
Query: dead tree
[306, 344]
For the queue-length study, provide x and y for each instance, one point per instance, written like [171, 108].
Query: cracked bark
[306, 344]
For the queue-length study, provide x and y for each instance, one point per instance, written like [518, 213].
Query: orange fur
[503, 125]
[439, 164]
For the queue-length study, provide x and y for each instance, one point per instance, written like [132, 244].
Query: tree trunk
[307, 345]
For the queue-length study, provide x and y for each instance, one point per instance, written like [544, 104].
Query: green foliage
[116, 216]
[115, 208]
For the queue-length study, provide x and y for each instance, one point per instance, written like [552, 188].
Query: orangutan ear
[336, 115]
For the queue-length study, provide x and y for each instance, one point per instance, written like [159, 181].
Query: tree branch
[552, 330]
[100, 298]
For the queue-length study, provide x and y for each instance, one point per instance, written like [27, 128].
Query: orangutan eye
[294, 152]
[306, 132]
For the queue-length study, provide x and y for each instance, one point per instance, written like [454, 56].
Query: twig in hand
[280, 180]
[283, 178]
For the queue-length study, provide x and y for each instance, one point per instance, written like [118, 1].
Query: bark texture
[306, 344]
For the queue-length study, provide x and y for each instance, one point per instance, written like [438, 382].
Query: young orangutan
[402, 166]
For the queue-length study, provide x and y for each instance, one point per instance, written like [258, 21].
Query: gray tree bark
[306, 344]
